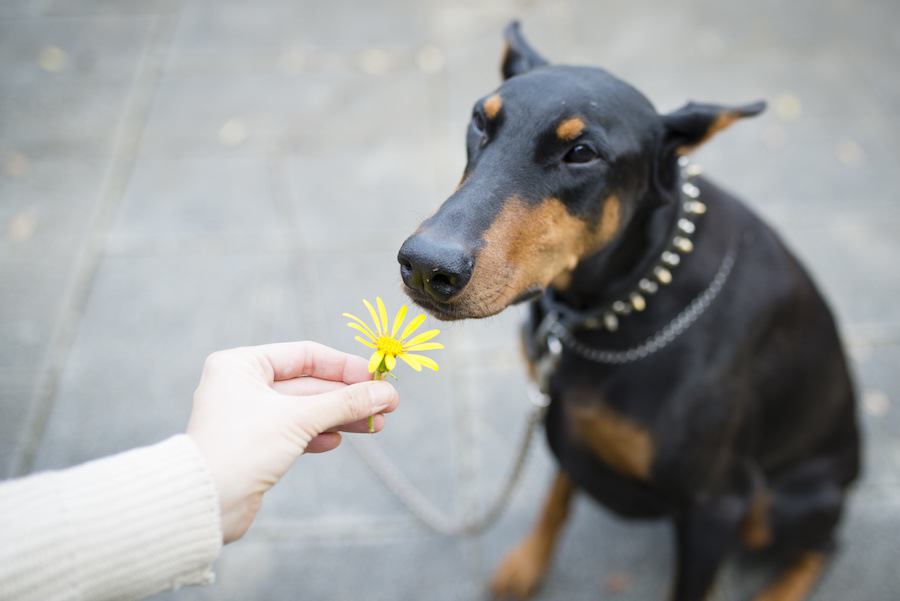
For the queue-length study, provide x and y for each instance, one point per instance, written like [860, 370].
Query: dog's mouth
[443, 311]
[528, 294]
[455, 311]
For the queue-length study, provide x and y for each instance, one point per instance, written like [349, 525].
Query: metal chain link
[661, 339]
[426, 511]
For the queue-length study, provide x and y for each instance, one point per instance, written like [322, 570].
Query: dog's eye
[580, 153]
[478, 121]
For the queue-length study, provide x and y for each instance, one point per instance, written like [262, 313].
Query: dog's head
[560, 159]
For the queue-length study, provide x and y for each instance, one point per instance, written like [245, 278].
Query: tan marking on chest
[755, 530]
[492, 106]
[619, 442]
[570, 128]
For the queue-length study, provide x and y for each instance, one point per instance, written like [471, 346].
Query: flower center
[389, 346]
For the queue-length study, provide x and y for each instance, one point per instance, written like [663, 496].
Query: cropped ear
[695, 123]
[518, 55]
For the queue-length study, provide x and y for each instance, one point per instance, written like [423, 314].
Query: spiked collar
[556, 329]
[661, 273]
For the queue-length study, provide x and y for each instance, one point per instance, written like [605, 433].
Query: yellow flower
[387, 345]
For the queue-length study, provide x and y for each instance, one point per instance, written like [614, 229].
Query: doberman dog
[694, 370]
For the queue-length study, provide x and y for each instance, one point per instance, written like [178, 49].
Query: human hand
[257, 409]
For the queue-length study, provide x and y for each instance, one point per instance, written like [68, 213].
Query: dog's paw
[522, 570]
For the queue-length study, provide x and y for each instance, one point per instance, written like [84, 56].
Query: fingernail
[381, 393]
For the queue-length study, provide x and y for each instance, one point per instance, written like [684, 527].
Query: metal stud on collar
[661, 273]
[687, 226]
[670, 258]
[648, 286]
[622, 308]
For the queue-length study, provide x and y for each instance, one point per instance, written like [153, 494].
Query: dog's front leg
[704, 534]
[522, 570]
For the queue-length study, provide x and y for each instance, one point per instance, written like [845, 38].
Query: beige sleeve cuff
[123, 527]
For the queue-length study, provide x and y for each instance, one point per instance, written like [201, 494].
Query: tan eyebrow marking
[569, 129]
[492, 106]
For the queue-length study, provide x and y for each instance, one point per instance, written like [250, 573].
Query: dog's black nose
[439, 269]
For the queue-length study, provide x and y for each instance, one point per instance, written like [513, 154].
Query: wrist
[236, 508]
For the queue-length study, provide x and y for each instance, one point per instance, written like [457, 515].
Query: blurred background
[178, 177]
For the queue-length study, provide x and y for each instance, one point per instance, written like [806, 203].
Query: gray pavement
[178, 177]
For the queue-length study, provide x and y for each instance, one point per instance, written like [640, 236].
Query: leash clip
[549, 351]
[538, 398]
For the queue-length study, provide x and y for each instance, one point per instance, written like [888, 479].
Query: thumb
[350, 404]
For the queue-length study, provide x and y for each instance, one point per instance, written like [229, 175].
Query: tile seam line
[141, 95]
[52, 16]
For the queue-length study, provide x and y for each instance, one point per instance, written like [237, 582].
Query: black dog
[694, 369]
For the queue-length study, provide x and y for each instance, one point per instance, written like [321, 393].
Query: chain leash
[427, 512]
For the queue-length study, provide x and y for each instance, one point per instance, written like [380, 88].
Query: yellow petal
[390, 362]
[382, 311]
[367, 343]
[423, 337]
[411, 326]
[411, 362]
[362, 323]
[374, 315]
[375, 360]
[426, 346]
[363, 330]
[398, 319]
[422, 359]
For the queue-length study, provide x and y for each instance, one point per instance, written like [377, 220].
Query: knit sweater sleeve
[122, 527]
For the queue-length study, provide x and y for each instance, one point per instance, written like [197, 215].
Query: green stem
[377, 375]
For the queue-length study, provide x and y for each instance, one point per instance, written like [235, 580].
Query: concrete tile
[383, 203]
[455, 25]
[46, 210]
[30, 298]
[255, 112]
[290, 36]
[198, 203]
[856, 267]
[339, 570]
[15, 401]
[803, 183]
[248, 113]
[334, 494]
[20, 8]
[879, 397]
[44, 219]
[344, 278]
[148, 326]
[61, 117]
[110, 7]
[100, 47]
[82, 8]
